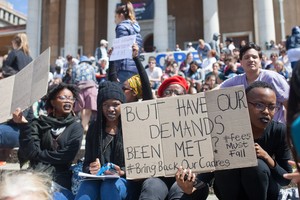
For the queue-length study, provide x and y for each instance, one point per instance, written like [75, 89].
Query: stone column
[33, 25]
[264, 21]
[282, 21]
[210, 19]
[160, 32]
[71, 27]
[111, 25]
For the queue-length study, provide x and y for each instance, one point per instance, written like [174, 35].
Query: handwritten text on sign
[122, 47]
[203, 132]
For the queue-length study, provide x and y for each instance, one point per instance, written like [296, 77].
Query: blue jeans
[9, 136]
[110, 189]
[61, 193]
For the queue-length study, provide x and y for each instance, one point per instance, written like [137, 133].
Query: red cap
[172, 80]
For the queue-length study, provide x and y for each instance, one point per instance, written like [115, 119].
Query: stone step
[13, 155]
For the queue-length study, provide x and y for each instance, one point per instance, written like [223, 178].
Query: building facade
[72, 26]
[11, 23]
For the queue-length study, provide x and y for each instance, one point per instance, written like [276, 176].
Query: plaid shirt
[83, 72]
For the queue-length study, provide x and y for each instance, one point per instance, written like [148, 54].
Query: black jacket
[48, 153]
[15, 62]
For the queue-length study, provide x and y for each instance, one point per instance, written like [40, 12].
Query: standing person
[203, 49]
[126, 25]
[104, 144]
[293, 46]
[272, 151]
[84, 76]
[138, 86]
[214, 44]
[51, 142]
[101, 51]
[19, 57]
[251, 63]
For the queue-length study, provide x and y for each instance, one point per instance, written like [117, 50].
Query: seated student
[51, 142]
[9, 135]
[195, 75]
[263, 181]
[154, 74]
[104, 144]
[166, 187]
[251, 63]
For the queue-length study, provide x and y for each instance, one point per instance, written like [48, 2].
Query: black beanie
[110, 90]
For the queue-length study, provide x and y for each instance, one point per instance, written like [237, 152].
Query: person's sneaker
[2, 163]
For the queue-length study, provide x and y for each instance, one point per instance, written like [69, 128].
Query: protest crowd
[84, 99]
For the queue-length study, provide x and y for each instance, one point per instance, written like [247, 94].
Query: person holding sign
[263, 181]
[136, 87]
[126, 25]
[165, 187]
[51, 142]
[104, 144]
[251, 63]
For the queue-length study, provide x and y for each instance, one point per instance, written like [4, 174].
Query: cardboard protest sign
[6, 91]
[185, 133]
[232, 139]
[143, 151]
[26, 87]
[203, 132]
[122, 47]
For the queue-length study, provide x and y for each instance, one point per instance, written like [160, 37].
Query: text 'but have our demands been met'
[203, 132]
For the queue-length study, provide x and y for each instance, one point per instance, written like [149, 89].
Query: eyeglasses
[152, 63]
[171, 92]
[262, 107]
[66, 98]
[124, 88]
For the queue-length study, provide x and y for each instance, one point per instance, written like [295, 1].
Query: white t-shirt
[155, 74]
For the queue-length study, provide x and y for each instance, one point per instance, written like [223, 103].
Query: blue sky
[20, 5]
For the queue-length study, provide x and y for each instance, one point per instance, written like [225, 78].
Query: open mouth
[111, 116]
[67, 107]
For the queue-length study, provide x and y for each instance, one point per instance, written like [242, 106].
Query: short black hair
[248, 46]
[56, 88]
[259, 84]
